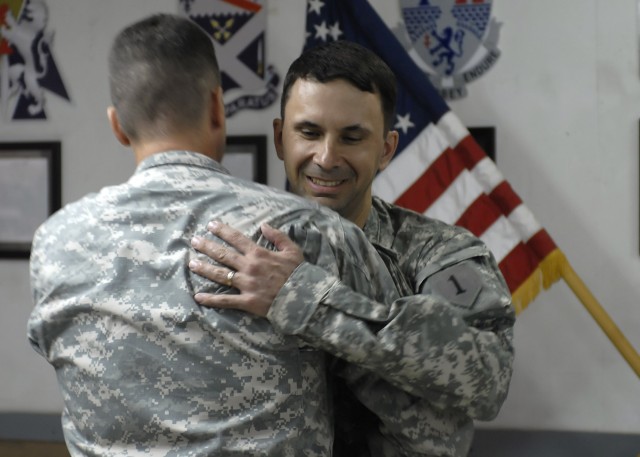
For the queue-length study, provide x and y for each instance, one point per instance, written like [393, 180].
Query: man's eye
[309, 133]
[351, 139]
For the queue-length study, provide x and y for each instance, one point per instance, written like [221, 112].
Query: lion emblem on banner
[454, 41]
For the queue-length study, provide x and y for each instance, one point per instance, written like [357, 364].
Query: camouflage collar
[372, 227]
[180, 158]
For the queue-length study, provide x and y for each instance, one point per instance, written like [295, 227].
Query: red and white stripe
[445, 175]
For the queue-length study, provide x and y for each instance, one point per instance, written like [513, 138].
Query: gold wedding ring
[230, 276]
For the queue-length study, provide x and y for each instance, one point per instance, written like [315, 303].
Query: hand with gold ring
[258, 273]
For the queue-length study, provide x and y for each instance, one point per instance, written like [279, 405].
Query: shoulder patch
[460, 284]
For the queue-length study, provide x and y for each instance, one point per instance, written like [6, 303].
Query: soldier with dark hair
[448, 349]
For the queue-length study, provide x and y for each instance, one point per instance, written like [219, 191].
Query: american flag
[439, 169]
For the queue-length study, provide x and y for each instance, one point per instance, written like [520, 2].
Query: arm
[419, 343]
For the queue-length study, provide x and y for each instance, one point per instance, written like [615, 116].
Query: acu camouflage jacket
[146, 371]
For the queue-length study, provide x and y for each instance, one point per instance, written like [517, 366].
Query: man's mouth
[324, 182]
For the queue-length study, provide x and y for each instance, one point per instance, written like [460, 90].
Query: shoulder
[418, 228]
[425, 245]
[323, 233]
[79, 219]
[70, 215]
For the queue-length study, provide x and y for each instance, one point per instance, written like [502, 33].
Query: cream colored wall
[565, 99]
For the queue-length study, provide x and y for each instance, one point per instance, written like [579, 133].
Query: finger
[279, 239]
[214, 273]
[231, 236]
[216, 251]
[220, 300]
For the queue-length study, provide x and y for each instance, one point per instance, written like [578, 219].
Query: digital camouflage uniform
[445, 350]
[146, 371]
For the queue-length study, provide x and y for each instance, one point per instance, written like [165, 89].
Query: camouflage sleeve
[311, 293]
[44, 270]
[338, 259]
[429, 344]
[35, 267]
[471, 298]
[387, 421]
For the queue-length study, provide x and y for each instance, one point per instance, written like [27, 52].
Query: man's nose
[327, 155]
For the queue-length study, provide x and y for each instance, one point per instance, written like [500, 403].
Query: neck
[361, 218]
[189, 142]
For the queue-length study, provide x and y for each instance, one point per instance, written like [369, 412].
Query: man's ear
[217, 108]
[390, 146]
[115, 127]
[277, 137]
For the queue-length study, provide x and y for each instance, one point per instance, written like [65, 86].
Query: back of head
[161, 70]
[349, 61]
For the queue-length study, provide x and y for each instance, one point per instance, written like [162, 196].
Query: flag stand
[601, 317]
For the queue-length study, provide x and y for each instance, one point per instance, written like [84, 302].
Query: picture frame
[486, 139]
[30, 191]
[246, 157]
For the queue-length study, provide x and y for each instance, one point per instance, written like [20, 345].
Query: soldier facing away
[143, 368]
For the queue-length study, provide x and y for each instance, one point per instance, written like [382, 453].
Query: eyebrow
[305, 124]
[359, 128]
[355, 128]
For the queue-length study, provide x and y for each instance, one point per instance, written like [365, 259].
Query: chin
[329, 203]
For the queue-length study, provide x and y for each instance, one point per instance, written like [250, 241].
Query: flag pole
[601, 317]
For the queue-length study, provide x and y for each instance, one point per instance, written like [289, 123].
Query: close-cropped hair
[161, 72]
[349, 61]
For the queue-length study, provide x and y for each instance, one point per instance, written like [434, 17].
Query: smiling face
[332, 142]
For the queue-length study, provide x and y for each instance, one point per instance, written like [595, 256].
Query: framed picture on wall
[486, 139]
[246, 157]
[29, 193]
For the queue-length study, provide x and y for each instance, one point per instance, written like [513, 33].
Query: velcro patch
[459, 284]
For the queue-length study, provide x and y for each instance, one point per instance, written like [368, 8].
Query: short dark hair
[161, 70]
[349, 61]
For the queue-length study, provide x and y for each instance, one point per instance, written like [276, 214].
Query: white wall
[565, 99]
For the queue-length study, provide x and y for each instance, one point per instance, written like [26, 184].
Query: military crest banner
[238, 29]
[453, 41]
[27, 66]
